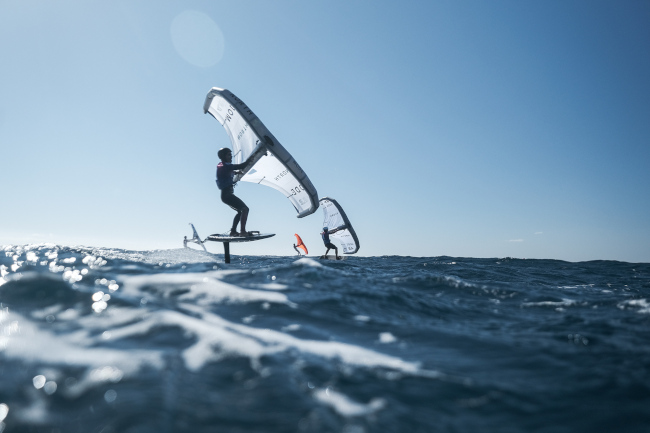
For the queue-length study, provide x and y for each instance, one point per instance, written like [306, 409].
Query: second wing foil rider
[325, 234]
[226, 171]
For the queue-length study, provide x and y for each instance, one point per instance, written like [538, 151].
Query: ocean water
[109, 340]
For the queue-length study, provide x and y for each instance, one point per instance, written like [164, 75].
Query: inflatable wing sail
[335, 219]
[301, 244]
[268, 162]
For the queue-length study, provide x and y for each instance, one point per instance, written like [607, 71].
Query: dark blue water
[106, 340]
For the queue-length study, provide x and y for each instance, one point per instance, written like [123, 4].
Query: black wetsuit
[225, 175]
[326, 240]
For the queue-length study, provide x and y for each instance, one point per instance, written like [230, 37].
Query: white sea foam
[270, 286]
[562, 303]
[305, 261]
[577, 286]
[345, 406]
[386, 338]
[39, 345]
[156, 257]
[202, 288]
[218, 338]
[642, 304]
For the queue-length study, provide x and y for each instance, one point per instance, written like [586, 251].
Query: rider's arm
[243, 164]
[239, 166]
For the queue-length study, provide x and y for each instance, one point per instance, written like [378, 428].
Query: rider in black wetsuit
[325, 234]
[225, 182]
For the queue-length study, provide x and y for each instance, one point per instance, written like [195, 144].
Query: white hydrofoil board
[228, 238]
[331, 257]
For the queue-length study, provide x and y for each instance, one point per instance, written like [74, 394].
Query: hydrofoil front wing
[195, 238]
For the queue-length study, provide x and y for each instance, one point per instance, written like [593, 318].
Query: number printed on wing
[297, 190]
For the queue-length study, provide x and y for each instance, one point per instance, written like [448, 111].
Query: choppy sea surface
[109, 340]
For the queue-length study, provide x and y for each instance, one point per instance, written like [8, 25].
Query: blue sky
[460, 128]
